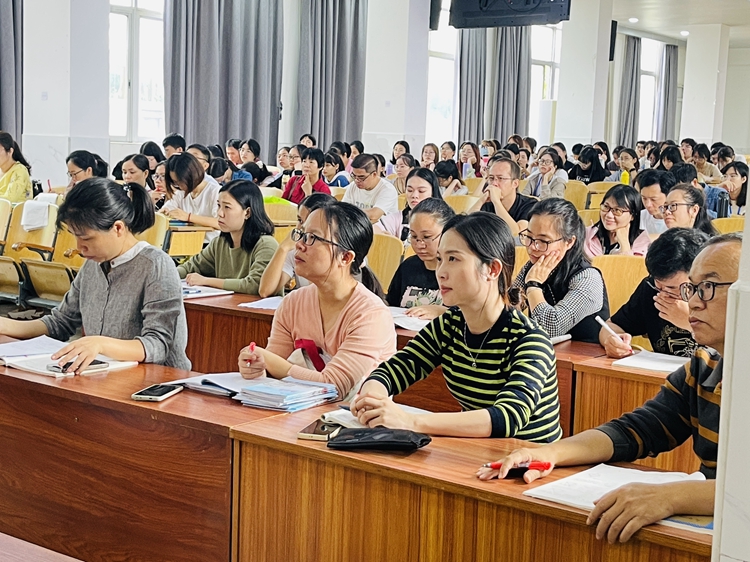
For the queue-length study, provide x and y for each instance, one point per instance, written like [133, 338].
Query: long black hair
[150, 148]
[489, 238]
[352, 230]
[85, 159]
[627, 197]
[97, 203]
[406, 148]
[141, 162]
[694, 196]
[248, 195]
[568, 224]
[595, 171]
[742, 170]
[429, 176]
[7, 142]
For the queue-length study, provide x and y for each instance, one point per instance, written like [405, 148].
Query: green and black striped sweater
[515, 377]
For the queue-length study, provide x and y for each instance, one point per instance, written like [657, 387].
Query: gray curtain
[331, 87]
[222, 70]
[11, 63]
[508, 81]
[630, 93]
[472, 70]
[666, 109]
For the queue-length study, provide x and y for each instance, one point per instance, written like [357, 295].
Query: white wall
[736, 131]
[289, 77]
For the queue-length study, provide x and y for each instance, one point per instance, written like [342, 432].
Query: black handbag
[378, 439]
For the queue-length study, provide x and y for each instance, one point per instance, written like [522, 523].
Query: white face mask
[603, 160]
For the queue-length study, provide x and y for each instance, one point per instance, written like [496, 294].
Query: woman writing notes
[497, 363]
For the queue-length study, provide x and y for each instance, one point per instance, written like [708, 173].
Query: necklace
[474, 359]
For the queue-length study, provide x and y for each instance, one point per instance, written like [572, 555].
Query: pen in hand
[611, 331]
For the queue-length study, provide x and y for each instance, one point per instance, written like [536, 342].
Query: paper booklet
[219, 384]
[406, 322]
[195, 292]
[652, 361]
[345, 418]
[286, 395]
[271, 303]
[42, 345]
[38, 364]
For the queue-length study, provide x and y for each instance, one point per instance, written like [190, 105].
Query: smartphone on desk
[157, 392]
[94, 367]
[319, 431]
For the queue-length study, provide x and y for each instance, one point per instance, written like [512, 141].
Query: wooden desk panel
[425, 506]
[87, 472]
[605, 392]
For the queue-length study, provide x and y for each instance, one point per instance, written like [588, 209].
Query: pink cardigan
[363, 337]
[594, 248]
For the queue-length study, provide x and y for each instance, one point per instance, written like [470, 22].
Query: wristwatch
[534, 284]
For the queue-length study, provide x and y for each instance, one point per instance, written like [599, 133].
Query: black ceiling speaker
[508, 13]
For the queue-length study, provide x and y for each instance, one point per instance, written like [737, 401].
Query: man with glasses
[688, 405]
[501, 195]
[654, 186]
[656, 309]
[375, 196]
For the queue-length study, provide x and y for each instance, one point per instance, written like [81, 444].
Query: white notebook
[406, 322]
[652, 361]
[39, 364]
[42, 345]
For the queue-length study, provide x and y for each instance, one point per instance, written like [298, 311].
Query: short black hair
[309, 136]
[512, 147]
[561, 146]
[649, 177]
[203, 150]
[358, 145]
[684, 172]
[577, 148]
[175, 140]
[674, 251]
[314, 154]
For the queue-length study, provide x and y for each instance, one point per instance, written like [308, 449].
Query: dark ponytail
[7, 142]
[97, 203]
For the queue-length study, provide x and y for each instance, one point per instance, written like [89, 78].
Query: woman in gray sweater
[127, 296]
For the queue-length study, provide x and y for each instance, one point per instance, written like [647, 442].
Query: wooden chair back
[6, 207]
[601, 186]
[335, 191]
[589, 216]
[522, 185]
[472, 184]
[461, 203]
[621, 274]
[281, 212]
[281, 232]
[271, 192]
[522, 256]
[576, 192]
[50, 280]
[66, 252]
[595, 200]
[385, 257]
[185, 243]
[729, 224]
[37, 244]
[401, 201]
[157, 233]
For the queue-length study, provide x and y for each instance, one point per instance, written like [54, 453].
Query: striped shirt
[515, 377]
[688, 405]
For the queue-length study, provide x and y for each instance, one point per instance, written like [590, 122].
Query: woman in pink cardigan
[341, 317]
[619, 228]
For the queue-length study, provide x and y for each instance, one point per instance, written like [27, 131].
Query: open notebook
[197, 292]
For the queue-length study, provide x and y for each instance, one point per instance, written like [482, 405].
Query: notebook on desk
[197, 291]
[652, 361]
[39, 365]
[42, 345]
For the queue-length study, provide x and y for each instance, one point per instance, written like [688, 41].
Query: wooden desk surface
[432, 493]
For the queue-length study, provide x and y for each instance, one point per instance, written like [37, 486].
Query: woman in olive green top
[236, 259]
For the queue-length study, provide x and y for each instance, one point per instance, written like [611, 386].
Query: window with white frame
[136, 70]
[441, 80]
[651, 55]
[546, 46]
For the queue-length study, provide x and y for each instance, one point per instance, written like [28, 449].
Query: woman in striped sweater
[498, 363]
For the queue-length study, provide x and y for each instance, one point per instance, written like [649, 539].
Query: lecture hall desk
[90, 473]
[297, 500]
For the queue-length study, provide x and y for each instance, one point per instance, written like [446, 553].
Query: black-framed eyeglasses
[616, 211]
[705, 289]
[426, 240]
[539, 245]
[672, 207]
[360, 179]
[308, 239]
[74, 174]
[667, 290]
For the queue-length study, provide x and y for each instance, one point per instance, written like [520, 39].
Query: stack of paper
[285, 395]
[40, 365]
[195, 292]
[652, 361]
[271, 303]
[221, 384]
[401, 320]
[42, 345]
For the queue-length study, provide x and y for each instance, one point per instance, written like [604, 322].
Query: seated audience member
[669, 157]
[280, 270]
[381, 164]
[399, 149]
[173, 143]
[724, 157]
[236, 259]
[469, 161]
[299, 187]
[421, 184]
[685, 207]
[653, 159]
[83, 165]
[605, 156]
[576, 151]
[687, 149]
[589, 168]
[191, 197]
[654, 186]
[429, 156]
[501, 196]
[513, 151]
[375, 196]
[216, 151]
[488, 147]
[224, 171]
[564, 293]
[735, 182]
[345, 151]
[523, 162]
[687, 173]
[563, 153]
[545, 181]
[357, 148]
[334, 172]
[154, 154]
[204, 157]
[448, 150]
[15, 181]
[126, 297]
[688, 405]
[449, 179]
[338, 314]
[656, 309]
[515, 139]
[308, 140]
[284, 161]
[295, 157]
[640, 150]
[707, 172]
[619, 228]
[628, 163]
[414, 285]
[529, 144]
[515, 393]
[159, 194]
[250, 151]
[404, 165]
[257, 174]
[135, 169]
[232, 148]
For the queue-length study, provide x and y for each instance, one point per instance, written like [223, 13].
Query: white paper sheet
[406, 322]
[652, 361]
[196, 292]
[42, 345]
[271, 303]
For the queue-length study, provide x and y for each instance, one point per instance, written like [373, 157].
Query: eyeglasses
[666, 290]
[308, 238]
[539, 245]
[426, 240]
[157, 177]
[497, 179]
[672, 207]
[360, 179]
[705, 289]
[74, 174]
[547, 162]
[616, 211]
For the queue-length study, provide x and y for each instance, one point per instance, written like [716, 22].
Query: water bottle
[625, 177]
[722, 208]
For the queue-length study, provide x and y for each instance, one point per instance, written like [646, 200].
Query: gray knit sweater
[140, 299]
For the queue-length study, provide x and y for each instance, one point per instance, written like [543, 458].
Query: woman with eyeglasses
[83, 165]
[619, 228]
[686, 208]
[159, 194]
[549, 179]
[564, 293]
[735, 176]
[235, 260]
[421, 184]
[414, 285]
[497, 363]
[336, 314]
